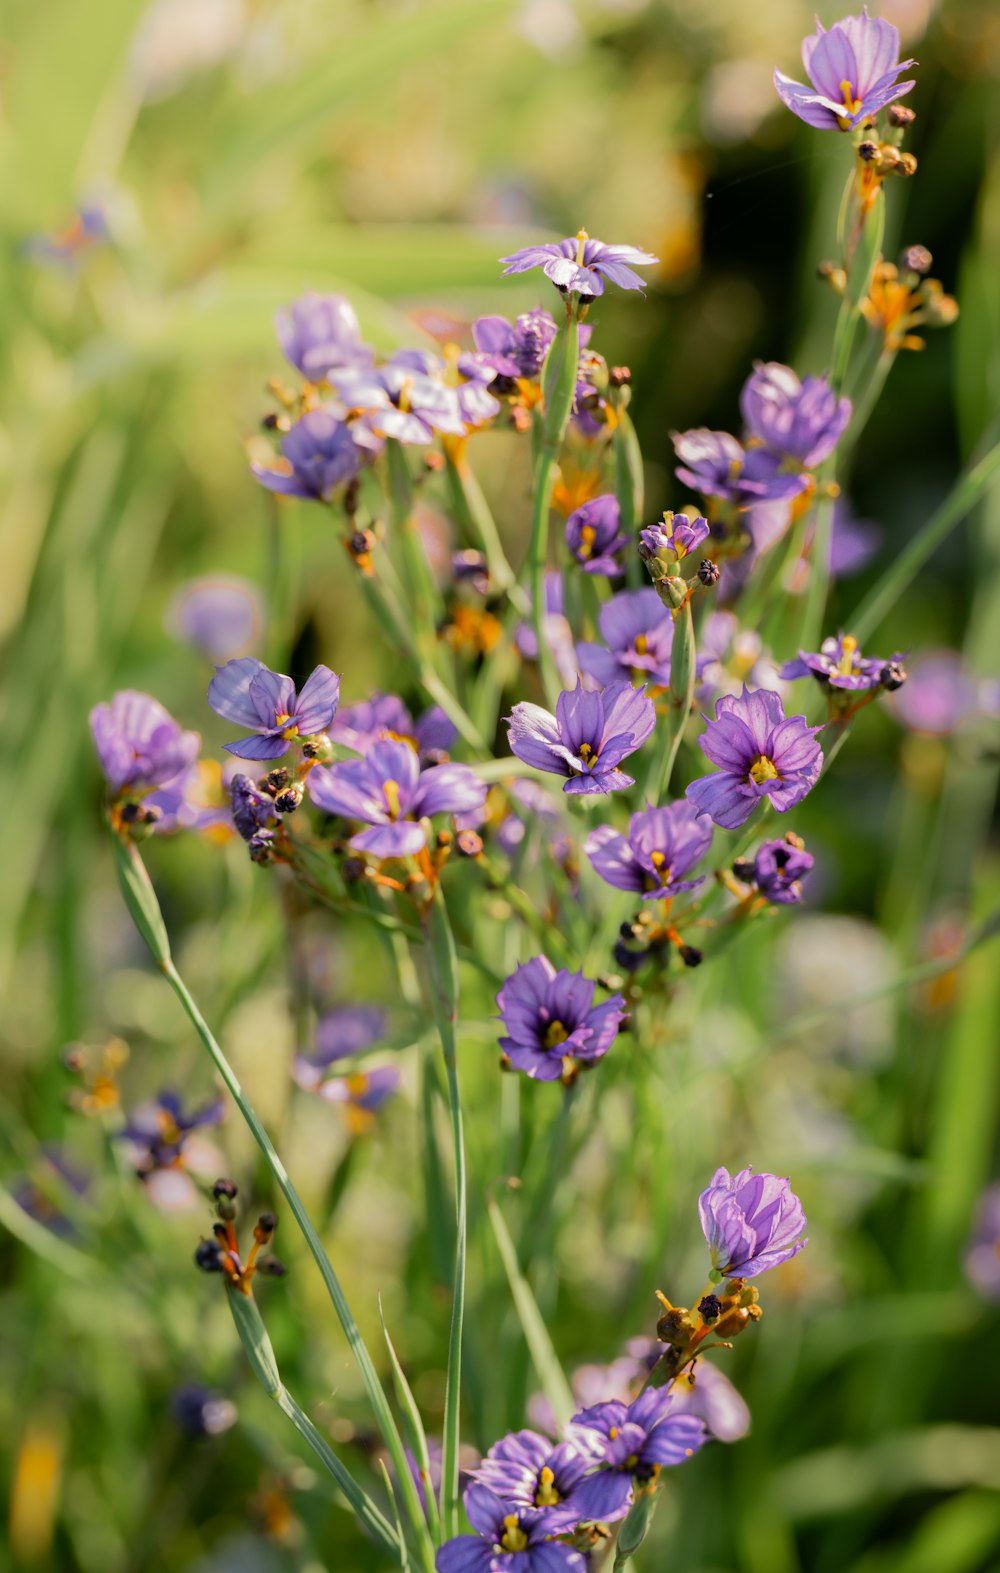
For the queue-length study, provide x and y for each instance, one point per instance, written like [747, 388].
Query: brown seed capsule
[900, 115]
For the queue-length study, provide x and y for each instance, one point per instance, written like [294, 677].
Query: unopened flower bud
[264, 1228]
[889, 158]
[917, 259]
[690, 955]
[288, 799]
[628, 960]
[469, 843]
[892, 676]
[735, 1321]
[868, 151]
[271, 1267]
[900, 115]
[743, 870]
[709, 573]
[619, 377]
[225, 1189]
[318, 748]
[208, 1256]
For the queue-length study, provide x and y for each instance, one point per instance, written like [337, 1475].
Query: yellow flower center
[851, 105]
[546, 1494]
[555, 1033]
[849, 649]
[513, 1537]
[390, 791]
[587, 537]
[763, 769]
[641, 644]
[588, 754]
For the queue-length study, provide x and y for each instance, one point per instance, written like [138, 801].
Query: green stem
[537, 561]
[473, 511]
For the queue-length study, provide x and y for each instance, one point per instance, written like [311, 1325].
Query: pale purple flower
[707, 1392]
[138, 742]
[716, 465]
[558, 261]
[587, 738]
[220, 615]
[527, 1470]
[760, 753]
[388, 791]
[165, 1151]
[839, 664]
[552, 1022]
[359, 725]
[636, 1440]
[593, 535]
[340, 1033]
[662, 845]
[508, 1540]
[506, 351]
[752, 1222]
[199, 1412]
[852, 70]
[318, 332]
[251, 695]
[982, 1255]
[853, 541]
[673, 539]
[778, 871]
[939, 696]
[557, 630]
[729, 656]
[406, 399]
[319, 454]
[638, 632]
[802, 421]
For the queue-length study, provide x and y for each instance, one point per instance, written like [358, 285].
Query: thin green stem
[475, 514]
[537, 561]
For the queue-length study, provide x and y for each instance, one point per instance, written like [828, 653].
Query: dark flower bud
[900, 115]
[208, 1256]
[743, 870]
[271, 1267]
[227, 1189]
[917, 259]
[275, 781]
[353, 869]
[690, 955]
[261, 847]
[264, 1228]
[710, 1308]
[361, 543]
[709, 573]
[619, 377]
[868, 151]
[469, 843]
[288, 799]
[892, 676]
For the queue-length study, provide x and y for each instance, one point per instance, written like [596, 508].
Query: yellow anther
[513, 1537]
[555, 1033]
[641, 644]
[851, 105]
[546, 1495]
[848, 647]
[763, 769]
[613, 1434]
[390, 791]
[587, 754]
[357, 1085]
[657, 859]
[281, 717]
[581, 240]
[587, 537]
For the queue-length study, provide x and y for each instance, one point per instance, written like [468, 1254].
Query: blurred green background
[242, 152]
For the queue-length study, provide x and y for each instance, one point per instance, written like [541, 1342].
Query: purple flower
[551, 1019]
[138, 743]
[778, 871]
[661, 846]
[639, 631]
[760, 753]
[320, 452]
[406, 399]
[802, 421]
[389, 791]
[939, 696]
[716, 465]
[506, 351]
[252, 809]
[250, 694]
[707, 1392]
[752, 1222]
[199, 1412]
[164, 1150]
[344, 1031]
[636, 1440]
[528, 1471]
[580, 265]
[839, 664]
[318, 332]
[558, 632]
[360, 1095]
[507, 1540]
[852, 69]
[658, 541]
[384, 715]
[587, 738]
[853, 541]
[593, 537]
[982, 1255]
[221, 616]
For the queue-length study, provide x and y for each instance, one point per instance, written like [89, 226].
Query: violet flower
[779, 869]
[707, 1392]
[839, 664]
[587, 738]
[507, 351]
[384, 715]
[319, 454]
[852, 70]
[752, 1222]
[760, 753]
[580, 265]
[636, 1441]
[802, 421]
[221, 615]
[507, 1540]
[939, 696]
[982, 1255]
[319, 332]
[529, 1471]
[662, 845]
[593, 536]
[138, 742]
[552, 1023]
[638, 631]
[406, 399]
[344, 1031]
[251, 695]
[388, 791]
[165, 1151]
[660, 542]
[716, 465]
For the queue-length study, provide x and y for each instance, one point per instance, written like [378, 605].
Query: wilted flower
[982, 1256]
[164, 1150]
[852, 69]
[662, 845]
[636, 1441]
[593, 536]
[639, 633]
[528, 1470]
[319, 332]
[138, 742]
[752, 1222]
[389, 791]
[580, 265]
[319, 454]
[760, 753]
[221, 615]
[552, 1023]
[507, 1540]
[802, 421]
[839, 664]
[252, 809]
[506, 351]
[779, 869]
[716, 465]
[250, 694]
[359, 725]
[587, 738]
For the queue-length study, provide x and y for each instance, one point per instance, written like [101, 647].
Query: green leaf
[140, 898]
[546, 1362]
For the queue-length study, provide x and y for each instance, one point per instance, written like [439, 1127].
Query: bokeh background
[240, 152]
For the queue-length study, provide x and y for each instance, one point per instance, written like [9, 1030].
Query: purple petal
[229, 691]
